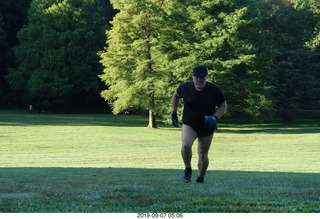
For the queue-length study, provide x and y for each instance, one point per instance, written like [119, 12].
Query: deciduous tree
[57, 56]
[135, 60]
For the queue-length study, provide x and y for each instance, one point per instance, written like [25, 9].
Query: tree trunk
[152, 120]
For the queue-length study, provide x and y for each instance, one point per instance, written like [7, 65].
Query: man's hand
[174, 119]
[211, 120]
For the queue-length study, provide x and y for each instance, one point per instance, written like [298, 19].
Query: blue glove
[174, 119]
[211, 120]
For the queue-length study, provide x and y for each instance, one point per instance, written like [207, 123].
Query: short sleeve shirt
[198, 104]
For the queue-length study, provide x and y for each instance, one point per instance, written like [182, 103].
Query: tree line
[69, 55]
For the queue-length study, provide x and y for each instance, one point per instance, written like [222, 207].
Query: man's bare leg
[204, 143]
[188, 137]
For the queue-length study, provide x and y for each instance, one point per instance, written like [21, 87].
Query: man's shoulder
[212, 85]
[184, 88]
[186, 84]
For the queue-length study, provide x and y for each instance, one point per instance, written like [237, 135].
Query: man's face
[199, 82]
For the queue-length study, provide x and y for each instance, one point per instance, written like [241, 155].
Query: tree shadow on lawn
[271, 128]
[73, 120]
[155, 190]
[12, 119]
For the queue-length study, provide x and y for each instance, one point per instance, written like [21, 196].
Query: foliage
[231, 43]
[13, 14]
[57, 55]
[285, 26]
[153, 47]
[211, 34]
[4, 47]
[312, 7]
[296, 81]
[135, 65]
[289, 25]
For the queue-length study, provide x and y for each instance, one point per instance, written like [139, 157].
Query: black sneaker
[200, 180]
[187, 175]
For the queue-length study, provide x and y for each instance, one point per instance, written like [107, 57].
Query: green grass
[106, 163]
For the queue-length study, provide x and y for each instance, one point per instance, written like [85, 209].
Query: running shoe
[200, 179]
[187, 175]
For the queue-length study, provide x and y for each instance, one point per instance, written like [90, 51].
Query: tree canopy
[135, 63]
[66, 51]
[140, 67]
[57, 52]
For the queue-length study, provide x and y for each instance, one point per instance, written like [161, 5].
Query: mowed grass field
[107, 163]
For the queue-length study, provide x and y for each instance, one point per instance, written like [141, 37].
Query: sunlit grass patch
[106, 163]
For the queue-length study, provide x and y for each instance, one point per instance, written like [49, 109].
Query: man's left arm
[221, 110]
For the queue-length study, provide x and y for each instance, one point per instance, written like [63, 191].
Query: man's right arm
[175, 101]
[174, 115]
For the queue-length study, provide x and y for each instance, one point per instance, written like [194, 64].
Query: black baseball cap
[200, 71]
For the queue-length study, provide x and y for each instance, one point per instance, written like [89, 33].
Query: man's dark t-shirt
[198, 104]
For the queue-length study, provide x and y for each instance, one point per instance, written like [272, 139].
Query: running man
[204, 105]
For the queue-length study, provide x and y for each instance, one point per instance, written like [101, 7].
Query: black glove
[174, 119]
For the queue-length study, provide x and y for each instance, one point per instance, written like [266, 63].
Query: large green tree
[296, 81]
[228, 39]
[57, 56]
[152, 49]
[312, 9]
[135, 60]
[285, 26]
[291, 25]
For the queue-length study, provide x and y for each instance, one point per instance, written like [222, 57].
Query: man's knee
[186, 147]
[203, 155]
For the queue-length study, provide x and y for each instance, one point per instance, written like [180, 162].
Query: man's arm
[222, 109]
[174, 115]
[175, 101]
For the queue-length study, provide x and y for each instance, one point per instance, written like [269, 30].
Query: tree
[57, 56]
[224, 35]
[13, 15]
[229, 40]
[136, 66]
[286, 27]
[4, 47]
[290, 25]
[312, 9]
[296, 81]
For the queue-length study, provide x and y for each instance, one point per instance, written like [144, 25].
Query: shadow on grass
[155, 190]
[271, 128]
[8, 119]
[24, 119]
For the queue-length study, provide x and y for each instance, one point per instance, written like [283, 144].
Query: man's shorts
[202, 130]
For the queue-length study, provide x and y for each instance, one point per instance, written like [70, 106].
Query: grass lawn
[106, 163]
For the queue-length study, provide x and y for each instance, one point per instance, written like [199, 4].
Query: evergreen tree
[230, 42]
[296, 81]
[312, 8]
[291, 25]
